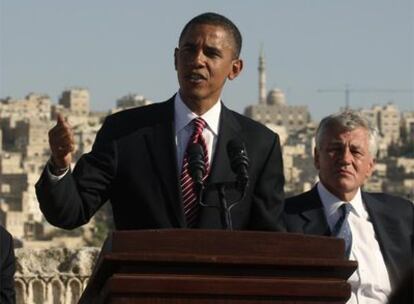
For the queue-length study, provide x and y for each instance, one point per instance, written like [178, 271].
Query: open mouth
[195, 77]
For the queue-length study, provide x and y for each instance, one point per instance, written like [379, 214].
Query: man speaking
[140, 160]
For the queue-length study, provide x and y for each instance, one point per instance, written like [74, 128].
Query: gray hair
[349, 120]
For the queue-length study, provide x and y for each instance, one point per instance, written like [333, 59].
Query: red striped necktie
[191, 208]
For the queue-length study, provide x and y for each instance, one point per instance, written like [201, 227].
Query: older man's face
[344, 161]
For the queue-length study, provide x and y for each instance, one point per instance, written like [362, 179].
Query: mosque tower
[262, 79]
[272, 109]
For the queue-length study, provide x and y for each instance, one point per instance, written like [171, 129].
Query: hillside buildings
[24, 125]
[24, 150]
[296, 131]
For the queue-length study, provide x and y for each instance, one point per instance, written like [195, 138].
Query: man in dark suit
[7, 267]
[137, 159]
[381, 225]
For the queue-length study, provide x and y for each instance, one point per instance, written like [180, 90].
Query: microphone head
[196, 164]
[239, 163]
[237, 154]
[195, 149]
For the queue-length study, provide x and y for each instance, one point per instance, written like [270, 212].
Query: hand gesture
[62, 143]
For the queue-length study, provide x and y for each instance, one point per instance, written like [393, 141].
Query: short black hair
[219, 20]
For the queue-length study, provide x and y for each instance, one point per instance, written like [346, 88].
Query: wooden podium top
[248, 257]
[195, 242]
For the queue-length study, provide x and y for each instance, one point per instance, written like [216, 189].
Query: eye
[357, 152]
[212, 52]
[187, 49]
[334, 149]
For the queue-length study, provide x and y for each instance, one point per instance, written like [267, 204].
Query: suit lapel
[229, 128]
[314, 216]
[220, 169]
[162, 145]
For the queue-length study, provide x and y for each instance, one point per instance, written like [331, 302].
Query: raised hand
[62, 143]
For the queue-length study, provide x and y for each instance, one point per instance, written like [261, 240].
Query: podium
[218, 266]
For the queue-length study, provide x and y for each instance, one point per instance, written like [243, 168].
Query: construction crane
[347, 90]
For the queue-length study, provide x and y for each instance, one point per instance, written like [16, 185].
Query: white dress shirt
[370, 283]
[184, 128]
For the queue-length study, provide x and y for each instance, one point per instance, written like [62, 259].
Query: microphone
[196, 165]
[239, 162]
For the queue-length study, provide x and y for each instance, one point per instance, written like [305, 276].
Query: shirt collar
[331, 203]
[183, 115]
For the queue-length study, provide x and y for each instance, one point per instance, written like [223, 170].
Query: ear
[236, 68]
[316, 158]
[175, 58]
[371, 167]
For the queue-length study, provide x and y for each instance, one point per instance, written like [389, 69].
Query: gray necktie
[342, 229]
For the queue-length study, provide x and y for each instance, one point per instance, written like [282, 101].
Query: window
[5, 188]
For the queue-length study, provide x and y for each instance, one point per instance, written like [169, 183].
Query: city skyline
[114, 49]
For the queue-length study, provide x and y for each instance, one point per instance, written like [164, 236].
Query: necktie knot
[199, 125]
[346, 209]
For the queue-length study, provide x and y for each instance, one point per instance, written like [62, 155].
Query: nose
[345, 157]
[199, 58]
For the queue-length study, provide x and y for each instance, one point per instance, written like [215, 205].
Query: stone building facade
[273, 109]
[33, 105]
[407, 126]
[53, 276]
[76, 101]
[387, 119]
[130, 101]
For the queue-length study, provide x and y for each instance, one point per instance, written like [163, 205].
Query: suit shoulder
[5, 236]
[127, 121]
[146, 113]
[390, 199]
[4, 232]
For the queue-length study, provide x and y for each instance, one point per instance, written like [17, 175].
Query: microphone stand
[224, 206]
[199, 189]
[225, 214]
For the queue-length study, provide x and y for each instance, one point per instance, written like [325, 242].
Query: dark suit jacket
[7, 267]
[133, 164]
[391, 216]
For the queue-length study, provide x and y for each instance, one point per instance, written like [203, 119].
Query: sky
[114, 48]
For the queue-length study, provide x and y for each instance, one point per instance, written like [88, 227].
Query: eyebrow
[194, 44]
[337, 143]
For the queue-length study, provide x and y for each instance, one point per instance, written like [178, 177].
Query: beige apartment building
[387, 119]
[76, 100]
[33, 105]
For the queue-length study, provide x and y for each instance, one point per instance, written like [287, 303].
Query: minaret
[262, 79]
